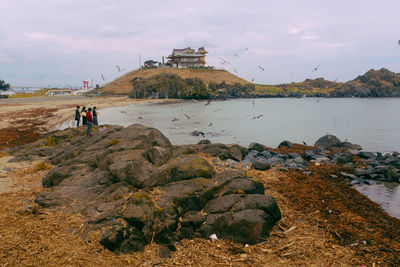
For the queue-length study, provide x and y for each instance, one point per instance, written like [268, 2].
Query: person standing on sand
[83, 113]
[89, 122]
[95, 122]
[77, 116]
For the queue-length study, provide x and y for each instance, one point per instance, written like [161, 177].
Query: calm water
[372, 123]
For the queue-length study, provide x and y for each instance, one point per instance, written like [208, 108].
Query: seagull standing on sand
[208, 103]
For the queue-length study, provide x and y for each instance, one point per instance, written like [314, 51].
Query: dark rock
[204, 142]
[245, 226]
[285, 144]
[257, 147]
[293, 155]
[366, 155]
[261, 164]
[275, 160]
[133, 187]
[310, 155]
[164, 252]
[266, 154]
[328, 141]
[344, 158]
[391, 174]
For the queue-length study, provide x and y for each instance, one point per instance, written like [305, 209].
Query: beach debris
[123, 111]
[261, 68]
[213, 237]
[315, 69]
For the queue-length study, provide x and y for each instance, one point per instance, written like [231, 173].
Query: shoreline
[319, 237]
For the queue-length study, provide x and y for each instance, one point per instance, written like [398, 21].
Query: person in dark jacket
[95, 122]
[89, 122]
[77, 116]
[83, 113]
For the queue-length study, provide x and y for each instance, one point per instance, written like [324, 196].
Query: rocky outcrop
[133, 187]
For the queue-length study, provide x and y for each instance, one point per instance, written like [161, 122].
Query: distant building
[187, 57]
[54, 92]
[149, 64]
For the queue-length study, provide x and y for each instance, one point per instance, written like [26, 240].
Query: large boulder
[133, 187]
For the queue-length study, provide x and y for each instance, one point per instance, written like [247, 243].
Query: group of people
[89, 117]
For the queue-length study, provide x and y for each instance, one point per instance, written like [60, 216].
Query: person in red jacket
[89, 122]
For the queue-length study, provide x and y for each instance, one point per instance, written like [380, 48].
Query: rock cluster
[134, 187]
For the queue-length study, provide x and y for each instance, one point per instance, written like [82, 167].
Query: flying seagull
[261, 68]
[225, 61]
[118, 68]
[236, 55]
[316, 68]
[252, 80]
[257, 116]
[187, 116]
[399, 42]
[102, 76]
[211, 124]
[234, 70]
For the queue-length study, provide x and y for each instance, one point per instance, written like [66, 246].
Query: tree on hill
[3, 85]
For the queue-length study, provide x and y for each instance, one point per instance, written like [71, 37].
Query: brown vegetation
[123, 85]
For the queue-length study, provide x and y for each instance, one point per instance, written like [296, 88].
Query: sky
[59, 43]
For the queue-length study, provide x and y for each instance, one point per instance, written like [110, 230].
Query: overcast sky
[59, 42]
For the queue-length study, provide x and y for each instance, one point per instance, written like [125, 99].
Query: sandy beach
[324, 221]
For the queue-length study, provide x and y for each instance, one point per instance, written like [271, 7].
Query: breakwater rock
[133, 187]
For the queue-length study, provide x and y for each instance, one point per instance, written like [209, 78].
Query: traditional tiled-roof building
[187, 57]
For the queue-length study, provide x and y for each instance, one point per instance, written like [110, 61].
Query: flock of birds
[210, 124]
[225, 62]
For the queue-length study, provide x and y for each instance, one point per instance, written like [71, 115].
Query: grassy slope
[123, 84]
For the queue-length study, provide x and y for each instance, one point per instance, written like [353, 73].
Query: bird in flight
[187, 116]
[234, 70]
[316, 68]
[118, 68]
[210, 125]
[252, 80]
[102, 77]
[236, 55]
[399, 42]
[225, 61]
[261, 68]
[257, 116]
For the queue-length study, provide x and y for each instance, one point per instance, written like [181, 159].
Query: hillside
[123, 85]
